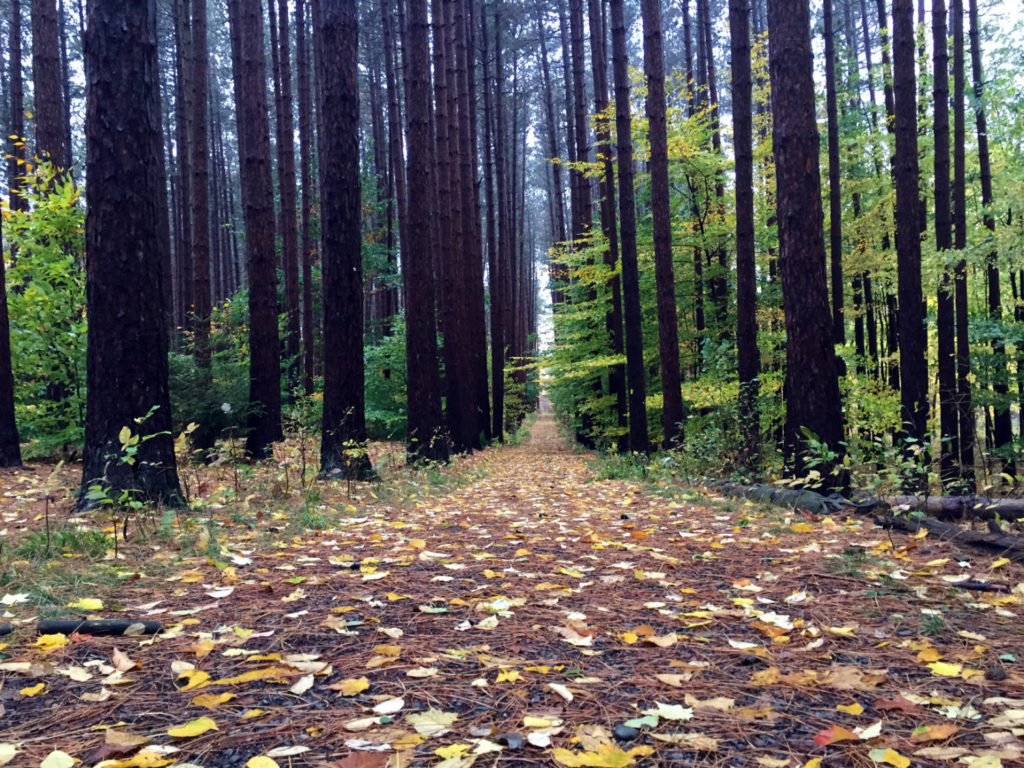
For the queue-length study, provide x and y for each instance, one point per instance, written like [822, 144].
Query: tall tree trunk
[613, 315]
[16, 138]
[127, 370]
[65, 83]
[812, 396]
[835, 204]
[305, 170]
[46, 80]
[200, 202]
[184, 273]
[965, 408]
[1002, 430]
[492, 167]
[425, 438]
[582, 218]
[635, 372]
[249, 64]
[344, 420]
[945, 313]
[747, 353]
[395, 151]
[668, 331]
[912, 339]
[474, 315]
[286, 185]
[717, 256]
[559, 272]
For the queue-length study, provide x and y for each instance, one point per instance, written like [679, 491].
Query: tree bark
[835, 204]
[286, 186]
[46, 80]
[668, 331]
[306, 180]
[249, 64]
[812, 396]
[127, 371]
[343, 445]
[965, 409]
[945, 313]
[1002, 429]
[635, 372]
[912, 338]
[747, 353]
[200, 187]
[425, 434]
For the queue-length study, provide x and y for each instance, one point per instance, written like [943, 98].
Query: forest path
[542, 617]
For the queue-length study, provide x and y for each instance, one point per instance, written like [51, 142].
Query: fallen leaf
[289, 751]
[607, 756]
[890, 756]
[851, 709]
[261, 761]
[302, 685]
[7, 753]
[32, 690]
[670, 711]
[562, 691]
[211, 700]
[57, 759]
[192, 728]
[389, 707]
[433, 722]
[90, 604]
[351, 686]
[834, 734]
[933, 732]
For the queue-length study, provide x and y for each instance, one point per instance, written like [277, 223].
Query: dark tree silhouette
[127, 368]
[199, 145]
[344, 421]
[249, 64]
[812, 391]
[424, 432]
[46, 81]
[747, 353]
[635, 373]
[668, 332]
[912, 339]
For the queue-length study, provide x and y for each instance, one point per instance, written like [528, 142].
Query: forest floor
[533, 616]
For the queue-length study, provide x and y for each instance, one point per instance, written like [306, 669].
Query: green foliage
[216, 400]
[66, 541]
[385, 384]
[46, 301]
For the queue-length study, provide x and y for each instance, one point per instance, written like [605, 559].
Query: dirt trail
[543, 617]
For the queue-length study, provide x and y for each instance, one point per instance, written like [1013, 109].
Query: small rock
[995, 672]
[625, 732]
[511, 740]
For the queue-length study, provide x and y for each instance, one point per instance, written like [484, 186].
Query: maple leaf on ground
[606, 756]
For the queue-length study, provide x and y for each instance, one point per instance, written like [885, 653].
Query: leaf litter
[537, 617]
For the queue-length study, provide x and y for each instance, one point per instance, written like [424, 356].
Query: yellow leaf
[452, 750]
[351, 686]
[51, 642]
[508, 676]
[197, 678]
[394, 596]
[192, 728]
[802, 527]
[851, 709]
[944, 669]
[261, 761]
[388, 650]
[606, 756]
[928, 655]
[813, 763]
[409, 741]
[417, 543]
[33, 690]
[212, 700]
[57, 759]
[252, 675]
[1000, 562]
[522, 552]
[890, 756]
[251, 713]
[87, 604]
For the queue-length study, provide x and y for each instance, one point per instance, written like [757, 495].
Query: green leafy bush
[46, 301]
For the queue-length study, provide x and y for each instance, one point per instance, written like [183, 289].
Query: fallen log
[960, 507]
[98, 627]
[995, 540]
[1002, 543]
